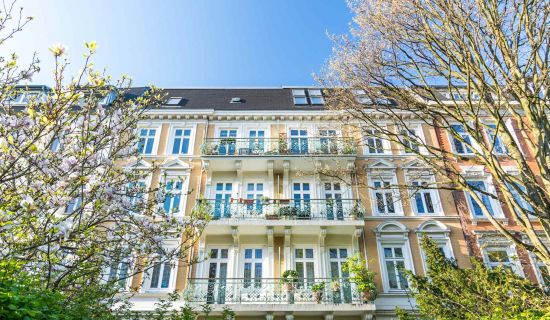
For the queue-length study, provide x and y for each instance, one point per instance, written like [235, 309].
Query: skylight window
[308, 96]
[299, 96]
[236, 100]
[362, 97]
[316, 96]
[173, 100]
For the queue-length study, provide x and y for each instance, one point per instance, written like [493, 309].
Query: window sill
[475, 220]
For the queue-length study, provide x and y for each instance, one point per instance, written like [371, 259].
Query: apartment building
[257, 159]
[293, 186]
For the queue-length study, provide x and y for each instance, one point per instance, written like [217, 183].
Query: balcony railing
[279, 146]
[290, 209]
[260, 290]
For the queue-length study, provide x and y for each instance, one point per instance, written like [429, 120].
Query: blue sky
[188, 43]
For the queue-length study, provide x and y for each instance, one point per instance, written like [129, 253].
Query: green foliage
[448, 292]
[228, 314]
[290, 276]
[359, 274]
[318, 287]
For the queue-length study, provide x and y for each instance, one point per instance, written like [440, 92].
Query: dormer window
[173, 101]
[236, 100]
[308, 96]
[362, 97]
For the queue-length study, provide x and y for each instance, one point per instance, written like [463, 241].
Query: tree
[72, 210]
[448, 292]
[489, 60]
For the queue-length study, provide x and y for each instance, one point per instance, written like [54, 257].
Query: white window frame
[496, 136]
[510, 251]
[536, 263]
[154, 150]
[191, 149]
[386, 146]
[439, 234]
[393, 233]
[264, 260]
[490, 188]
[391, 177]
[299, 94]
[434, 193]
[419, 132]
[315, 259]
[128, 281]
[184, 188]
[473, 145]
[146, 284]
[205, 264]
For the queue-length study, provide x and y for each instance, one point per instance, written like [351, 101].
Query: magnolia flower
[58, 50]
[27, 201]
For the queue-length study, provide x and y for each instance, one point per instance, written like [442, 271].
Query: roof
[251, 99]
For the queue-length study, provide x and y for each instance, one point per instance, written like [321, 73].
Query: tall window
[173, 196]
[410, 140]
[181, 141]
[222, 205]
[146, 140]
[519, 197]
[459, 146]
[373, 143]
[254, 194]
[228, 141]
[302, 197]
[499, 257]
[305, 265]
[383, 197]
[495, 141]
[217, 275]
[160, 275]
[119, 271]
[298, 141]
[256, 142]
[423, 199]
[73, 205]
[394, 263]
[253, 267]
[474, 206]
[328, 141]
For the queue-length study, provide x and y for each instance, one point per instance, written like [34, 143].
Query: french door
[254, 194]
[302, 199]
[337, 258]
[228, 141]
[256, 144]
[328, 141]
[222, 202]
[304, 260]
[333, 201]
[217, 275]
[298, 141]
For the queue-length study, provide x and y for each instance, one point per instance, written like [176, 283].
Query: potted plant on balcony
[318, 290]
[335, 286]
[348, 148]
[283, 144]
[289, 278]
[361, 276]
[356, 212]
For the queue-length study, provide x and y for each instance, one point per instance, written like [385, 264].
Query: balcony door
[252, 289]
[256, 144]
[217, 276]
[337, 257]
[301, 195]
[304, 262]
[254, 194]
[328, 141]
[222, 202]
[228, 141]
[298, 141]
[333, 201]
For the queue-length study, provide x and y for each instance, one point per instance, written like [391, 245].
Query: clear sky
[188, 43]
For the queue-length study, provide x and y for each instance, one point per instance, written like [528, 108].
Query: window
[299, 96]
[394, 265]
[410, 140]
[217, 275]
[316, 96]
[254, 194]
[161, 275]
[136, 194]
[298, 141]
[495, 141]
[383, 197]
[519, 197]
[308, 96]
[337, 258]
[56, 144]
[222, 202]
[502, 257]
[302, 198]
[543, 272]
[228, 141]
[173, 100]
[253, 267]
[256, 141]
[172, 197]
[119, 273]
[459, 146]
[305, 265]
[424, 200]
[373, 143]
[333, 204]
[362, 97]
[181, 141]
[73, 205]
[474, 206]
[146, 140]
[328, 141]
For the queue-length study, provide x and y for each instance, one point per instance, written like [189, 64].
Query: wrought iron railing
[261, 290]
[306, 209]
[279, 146]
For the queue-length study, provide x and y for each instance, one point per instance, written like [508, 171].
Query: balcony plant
[289, 278]
[318, 290]
[361, 276]
[357, 212]
[335, 285]
[348, 148]
[266, 200]
[283, 144]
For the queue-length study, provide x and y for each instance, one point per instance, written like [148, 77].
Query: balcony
[310, 146]
[273, 291]
[284, 209]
